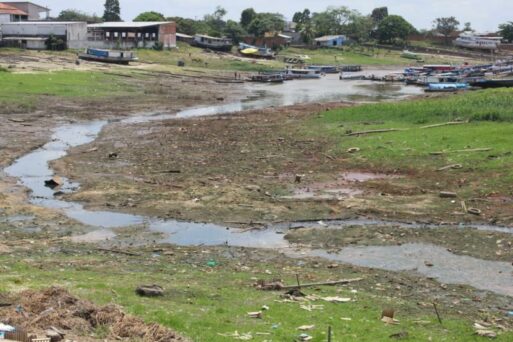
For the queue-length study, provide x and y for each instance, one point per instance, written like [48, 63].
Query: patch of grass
[203, 302]
[490, 116]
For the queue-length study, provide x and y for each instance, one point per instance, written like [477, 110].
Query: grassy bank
[204, 302]
[417, 148]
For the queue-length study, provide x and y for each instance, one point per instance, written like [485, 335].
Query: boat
[350, 68]
[438, 67]
[446, 87]
[263, 78]
[411, 55]
[471, 41]
[303, 73]
[256, 52]
[108, 56]
[212, 43]
[324, 69]
[343, 77]
[498, 83]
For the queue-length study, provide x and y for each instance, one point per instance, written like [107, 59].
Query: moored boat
[108, 56]
[303, 73]
[446, 87]
[263, 78]
[324, 69]
[212, 43]
[498, 83]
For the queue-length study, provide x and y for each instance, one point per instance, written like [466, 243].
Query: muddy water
[33, 169]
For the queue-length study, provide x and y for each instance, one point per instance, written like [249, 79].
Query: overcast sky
[484, 15]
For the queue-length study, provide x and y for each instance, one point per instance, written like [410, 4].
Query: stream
[33, 169]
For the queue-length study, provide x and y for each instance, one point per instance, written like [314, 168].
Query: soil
[36, 311]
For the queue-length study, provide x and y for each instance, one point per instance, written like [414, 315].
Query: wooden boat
[446, 87]
[108, 56]
[324, 69]
[303, 74]
[275, 78]
[256, 52]
[212, 43]
[499, 83]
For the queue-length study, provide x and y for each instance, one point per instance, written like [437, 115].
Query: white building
[10, 13]
[32, 10]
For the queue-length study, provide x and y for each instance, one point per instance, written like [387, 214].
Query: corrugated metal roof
[327, 38]
[6, 9]
[14, 3]
[129, 24]
[44, 23]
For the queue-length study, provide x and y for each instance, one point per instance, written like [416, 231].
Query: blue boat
[108, 56]
[446, 87]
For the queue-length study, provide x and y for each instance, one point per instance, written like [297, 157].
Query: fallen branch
[445, 124]
[461, 151]
[327, 283]
[374, 131]
[451, 167]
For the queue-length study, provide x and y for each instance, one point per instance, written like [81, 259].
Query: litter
[256, 314]
[306, 327]
[150, 291]
[336, 299]
[305, 337]
[54, 182]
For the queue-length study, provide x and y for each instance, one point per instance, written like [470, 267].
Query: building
[330, 41]
[10, 13]
[128, 35]
[33, 34]
[32, 10]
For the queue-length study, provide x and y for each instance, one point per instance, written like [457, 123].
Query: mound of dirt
[36, 311]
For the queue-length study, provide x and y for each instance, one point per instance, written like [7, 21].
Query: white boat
[303, 73]
[213, 43]
[471, 41]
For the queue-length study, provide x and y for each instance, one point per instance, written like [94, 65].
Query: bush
[158, 46]
[55, 44]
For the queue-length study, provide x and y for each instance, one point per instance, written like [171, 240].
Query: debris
[212, 263]
[437, 314]
[150, 291]
[113, 155]
[447, 194]
[353, 150]
[388, 312]
[486, 333]
[54, 335]
[474, 211]
[428, 263]
[336, 299]
[445, 124]
[400, 335]
[298, 179]
[265, 308]
[451, 167]
[305, 337]
[306, 327]
[389, 320]
[311, 307]
[439, 153]
[327, 283]
[54, 182]
[256, 314]
[295, 292]
[374, 131]
[347, 319]
[275, 285]
[237, 336]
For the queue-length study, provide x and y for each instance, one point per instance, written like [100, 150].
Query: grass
[490, 116]
[203, 302]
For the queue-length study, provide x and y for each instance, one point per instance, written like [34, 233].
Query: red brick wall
[167, 35]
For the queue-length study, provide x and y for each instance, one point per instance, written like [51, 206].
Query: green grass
[490, 115]
[202, 303]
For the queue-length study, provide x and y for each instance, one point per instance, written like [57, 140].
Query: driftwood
[374, 131]
[327, 283]
[461, 151]
[451, 167]
[445, 124]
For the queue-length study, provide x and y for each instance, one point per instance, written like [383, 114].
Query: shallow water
[33, 169]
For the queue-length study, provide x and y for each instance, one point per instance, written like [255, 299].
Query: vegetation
[112, 11]
[394, 29]
[76, 15]
[506, 31]
[54, 43]
[150, 16]
[446, 26]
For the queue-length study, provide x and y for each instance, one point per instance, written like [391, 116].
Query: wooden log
[438, 153]
[374, 131]
[445, 124]
[327, 283]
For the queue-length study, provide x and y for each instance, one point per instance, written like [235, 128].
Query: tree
[247, 17]
[360, 28]
[332, 21]
[75, 15]
[303, 19]
[189, 26]
[467, 27]
[506, 31]
[446, 26]
[215, 21]
[150, 16]
[393, 28]
[379, 14]
[234, 31]
[308, 33]
[266, 22]
[112, 11]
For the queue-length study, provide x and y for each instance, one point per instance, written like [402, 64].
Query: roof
[6, 9]
[129, 24]
[210, 37]
[284, 36]
[183, 35]
[14, 3]
[327, 38]
[44, 23]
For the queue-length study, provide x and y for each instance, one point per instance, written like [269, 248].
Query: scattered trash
[305, 337]
[150, 291]
[474, 211]
[113, 155]
[486, 333]
[400, 335]
[237, 336]
[388, 312]
[265, 308]
[274, 285]
[347, 319]
[212, 263]
[353, 150]
[389, 320]
[257, 314]
[311, 307]
[447, 194]
[54, 182]
[428, 263]
[336, 299]
[306, 327]
[451, 167]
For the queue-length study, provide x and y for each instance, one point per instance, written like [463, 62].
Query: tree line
[379, 25]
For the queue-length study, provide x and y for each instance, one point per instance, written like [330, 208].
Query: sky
[484, 15]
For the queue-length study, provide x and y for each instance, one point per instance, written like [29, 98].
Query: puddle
[363, 176]
[447, 268]
[95, 236]
[33, 169]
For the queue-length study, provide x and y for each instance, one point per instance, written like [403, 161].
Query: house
[33, 34]
[182, 37]
[128, 35]
[10, 13]
[32, 10]
[330, 41]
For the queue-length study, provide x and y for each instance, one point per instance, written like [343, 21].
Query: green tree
[303, 19]
[150, 16]
[234, 31]
[215, 22]
[247, 17]
[75, 15]
[446, 26]
[360, 27]
[189, 26]
[112, 11]
[379, 14]
[394, 28]
[266, 22]
[307, 31]
[467, 27]
[506, 31]
[332, 21]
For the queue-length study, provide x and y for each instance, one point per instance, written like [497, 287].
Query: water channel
[33, 169]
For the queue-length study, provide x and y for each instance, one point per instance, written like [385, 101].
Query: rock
[150, 291]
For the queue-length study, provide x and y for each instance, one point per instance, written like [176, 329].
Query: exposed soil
[37, 311]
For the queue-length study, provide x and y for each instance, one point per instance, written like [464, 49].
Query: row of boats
[309, 72]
